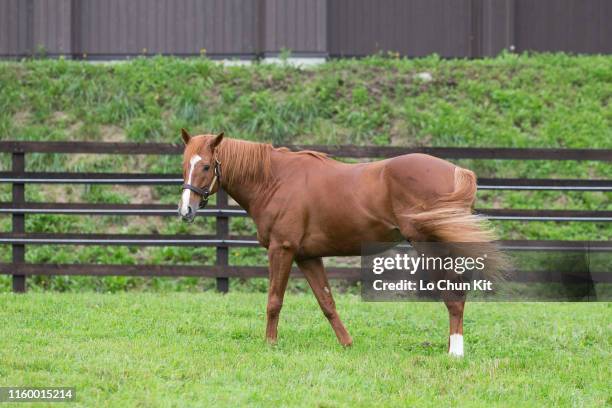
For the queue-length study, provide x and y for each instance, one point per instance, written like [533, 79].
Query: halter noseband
[205, 192]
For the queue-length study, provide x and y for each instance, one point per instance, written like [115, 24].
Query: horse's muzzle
[188, 216]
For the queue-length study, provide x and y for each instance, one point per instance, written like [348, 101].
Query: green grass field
[182, 349]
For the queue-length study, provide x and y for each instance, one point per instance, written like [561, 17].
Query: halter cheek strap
[205, 192]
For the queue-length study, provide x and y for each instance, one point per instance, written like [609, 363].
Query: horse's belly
[340, 227]
[346, 241]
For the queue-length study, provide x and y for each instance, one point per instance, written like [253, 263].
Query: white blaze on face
[456, 345]
[187, 193]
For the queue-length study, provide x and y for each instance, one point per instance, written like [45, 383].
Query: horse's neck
[245, 194]
[251, 192]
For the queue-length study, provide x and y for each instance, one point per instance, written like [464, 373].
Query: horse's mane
[243, 161]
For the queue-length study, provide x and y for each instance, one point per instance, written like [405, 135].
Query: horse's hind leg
[409, 230]
[455, 307]
[315, 275]
[455, 314]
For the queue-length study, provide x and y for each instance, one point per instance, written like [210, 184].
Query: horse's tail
[450, 219]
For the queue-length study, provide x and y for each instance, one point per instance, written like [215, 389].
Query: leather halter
[205, 192]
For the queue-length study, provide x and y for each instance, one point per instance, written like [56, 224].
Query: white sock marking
[187, 193]
[456, 345]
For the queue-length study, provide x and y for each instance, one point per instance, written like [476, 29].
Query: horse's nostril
[191, 211]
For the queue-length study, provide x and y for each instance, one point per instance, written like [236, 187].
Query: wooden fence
[19, 208]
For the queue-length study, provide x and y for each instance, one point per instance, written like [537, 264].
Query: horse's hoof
[347, 343]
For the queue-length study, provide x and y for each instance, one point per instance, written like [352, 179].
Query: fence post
[19, 281]
[222, 233]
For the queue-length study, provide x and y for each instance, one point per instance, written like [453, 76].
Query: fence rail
[18, 208]
[170, 210]
[170, 179]
[500, 153]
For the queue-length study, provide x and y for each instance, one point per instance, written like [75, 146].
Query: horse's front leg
[280, 258]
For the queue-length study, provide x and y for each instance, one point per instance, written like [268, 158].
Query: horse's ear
[216, 141]
[185, 135]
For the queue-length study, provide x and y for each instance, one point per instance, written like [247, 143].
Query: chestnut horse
[307, 206]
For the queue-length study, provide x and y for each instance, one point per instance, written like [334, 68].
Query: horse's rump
[450, 219]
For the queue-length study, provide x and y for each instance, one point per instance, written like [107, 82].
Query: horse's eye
[206, 167]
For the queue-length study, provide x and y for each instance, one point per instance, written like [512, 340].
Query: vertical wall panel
[564, 25]
[421, 27]
[6, 37]
[183, 27]
[51, 28]
[605, 28]
[20, 21]
[296, 25]
[15, 33]
[498, 26]
[4, 33]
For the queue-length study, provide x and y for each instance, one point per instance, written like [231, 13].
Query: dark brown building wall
[15, 37]
[580, 26]
[296, 25]
[183, 27]
[412, 28]
[51, 28]
[107, 29]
